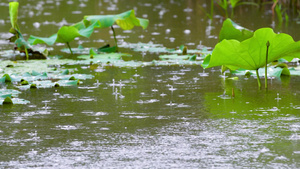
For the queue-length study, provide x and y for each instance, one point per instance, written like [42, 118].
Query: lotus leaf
[231, 30]
[65, 34]
[9, 93]
[178, 57]
[13, 13]
[126, 20]
[251, 53]
[272, 72]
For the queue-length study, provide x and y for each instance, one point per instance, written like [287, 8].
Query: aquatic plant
[65, 34]
[231, 30]
[21, 44]
[18, 39]
[251, 53]
[85, 28]
[126, 20]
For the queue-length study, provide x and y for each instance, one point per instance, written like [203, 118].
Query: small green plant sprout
[7, 100]
[24, 82]
[21, 44]
[18, 39]
[183, 49]
[264, 47]
[126, 21]
[33, 86]
[6, 78]
[72, 78]
[65, 34]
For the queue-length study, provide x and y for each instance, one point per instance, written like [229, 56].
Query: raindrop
[36, 24]
[163, 94]
[187, 31]
[31, 13]
[172, 39]
[82, 5]
[188, 10]
[47, 13]
[76, 12]
[155, 33]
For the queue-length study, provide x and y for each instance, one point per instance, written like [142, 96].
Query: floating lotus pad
[4, 93]
[80, 50]
[272, 72]
[177, 57]
[50, 84]
[158, 48]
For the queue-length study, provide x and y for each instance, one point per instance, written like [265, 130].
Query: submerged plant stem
[266, 67]
[116, 42]
[258, 80]
[26, 52]
[69, 47]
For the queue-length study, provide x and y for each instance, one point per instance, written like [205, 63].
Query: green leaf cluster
[85, 28]
[236, 51]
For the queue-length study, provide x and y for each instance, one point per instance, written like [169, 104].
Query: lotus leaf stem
[26, 52]
[266, 67]
[116, 42]
[69, 47]
[258, 80]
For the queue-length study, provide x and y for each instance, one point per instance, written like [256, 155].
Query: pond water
[151, 116]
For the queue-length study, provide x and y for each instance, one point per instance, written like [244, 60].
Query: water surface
[150, 117]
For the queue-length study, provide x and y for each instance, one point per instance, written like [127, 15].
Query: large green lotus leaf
[126, 20]
[231, 30]
[251, 53]
[33, 40]
[65, 34]
[87, 31]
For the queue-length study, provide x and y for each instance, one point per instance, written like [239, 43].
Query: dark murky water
[150, 117]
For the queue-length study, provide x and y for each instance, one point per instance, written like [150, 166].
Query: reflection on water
[148, 117]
